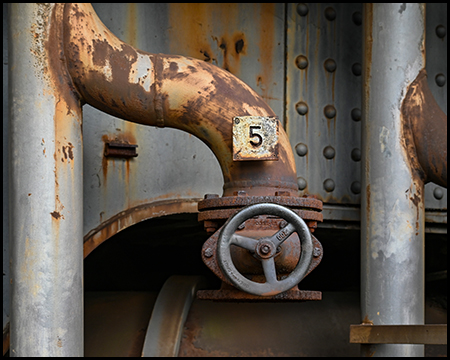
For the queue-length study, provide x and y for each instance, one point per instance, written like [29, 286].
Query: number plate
[255, 138]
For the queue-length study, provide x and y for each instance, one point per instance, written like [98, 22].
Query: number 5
[253, 135]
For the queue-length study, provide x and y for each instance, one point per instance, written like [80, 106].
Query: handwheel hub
[265, 249]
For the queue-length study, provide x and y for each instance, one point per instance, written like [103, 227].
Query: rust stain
[132, 22]
[266, 45]
[367, 321]
[189, 37]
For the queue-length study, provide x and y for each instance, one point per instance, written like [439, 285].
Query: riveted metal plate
[255, 138]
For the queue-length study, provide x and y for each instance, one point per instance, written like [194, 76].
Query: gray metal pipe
[46, 189]
[392, 202]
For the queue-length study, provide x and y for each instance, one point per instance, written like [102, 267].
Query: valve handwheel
[265, 249]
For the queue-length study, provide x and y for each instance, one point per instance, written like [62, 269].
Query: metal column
[45, 189]
[392, 206]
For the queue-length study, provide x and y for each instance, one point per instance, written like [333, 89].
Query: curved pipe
[428, 124]
[174, 91]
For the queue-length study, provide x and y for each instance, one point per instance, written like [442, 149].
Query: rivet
[357, 18]
[438, 193]
[441, 31]
[301, 62]
[330, 65]
[440, 80]
[301, 108]
[355, 187]
[356, 154]
[356, 69]
[301, 183]
[329, 152]
[356, 114]
[328, 185]
[301, 149]
[240, 193]
[302, 9]
[330, 13]
[329, 111]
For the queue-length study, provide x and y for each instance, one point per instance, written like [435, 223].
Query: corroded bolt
[210, 226]
[208, 252]
[265, 249]
[282, 224]
[317, 252]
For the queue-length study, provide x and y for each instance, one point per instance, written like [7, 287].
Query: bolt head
[317, 252]
[208, 252]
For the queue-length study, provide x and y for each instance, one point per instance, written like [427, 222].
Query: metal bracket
[120, 149]
[399, 334]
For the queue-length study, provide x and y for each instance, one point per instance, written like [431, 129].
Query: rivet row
[330, 13]
[329, 185]
[302, 62]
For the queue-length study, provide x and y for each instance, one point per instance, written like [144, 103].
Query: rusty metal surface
[234, 295]
[226, 213]
[224, 329]
[399, 334]
[255, 138]
[428, 125]
[244, 200]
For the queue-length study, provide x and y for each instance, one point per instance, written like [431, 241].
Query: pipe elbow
[173, 91]
[428, 125]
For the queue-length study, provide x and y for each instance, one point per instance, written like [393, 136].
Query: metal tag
[255, 138]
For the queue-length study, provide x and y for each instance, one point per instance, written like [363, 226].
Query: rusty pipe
[173, 91]
[426, 124]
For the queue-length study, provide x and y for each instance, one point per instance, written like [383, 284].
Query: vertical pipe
[392, 204]
[45, 189]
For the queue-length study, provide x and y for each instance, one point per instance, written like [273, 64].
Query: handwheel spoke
[244, 242]
[269, 270]
[282, 234]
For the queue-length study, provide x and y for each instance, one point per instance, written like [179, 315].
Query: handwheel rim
[264, 289]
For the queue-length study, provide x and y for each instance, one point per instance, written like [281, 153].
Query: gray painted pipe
[46, 191]
[392, 203]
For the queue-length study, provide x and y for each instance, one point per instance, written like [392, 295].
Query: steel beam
[392, 206]
[46, 189]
